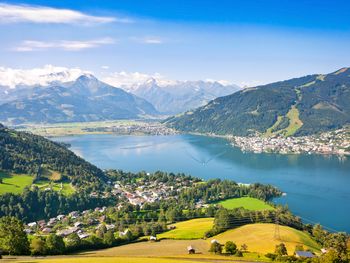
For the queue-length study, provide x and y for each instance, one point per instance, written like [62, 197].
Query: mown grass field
[248, 203]
[190, 229]
[14, 183]
[260, 238]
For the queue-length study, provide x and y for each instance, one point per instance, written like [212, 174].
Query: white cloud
[42, 14]
[33, 45]
[104, 67]
[148, 40]
[251, 83]
[129, 79]
[38, 76]
[153, 40]
[222, 81]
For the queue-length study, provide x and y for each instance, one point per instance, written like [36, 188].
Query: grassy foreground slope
[190, 229]
[261, 238]
[248, 203]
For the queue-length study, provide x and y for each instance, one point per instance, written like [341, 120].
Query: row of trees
[230, 248]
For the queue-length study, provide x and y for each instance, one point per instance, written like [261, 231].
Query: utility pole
[277, 227]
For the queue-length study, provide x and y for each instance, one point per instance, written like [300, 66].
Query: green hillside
[248, 203]
[261, 238]
[299, 106]
[42, 162]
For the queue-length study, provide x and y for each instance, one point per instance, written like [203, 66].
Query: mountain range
[85, 99]
[52, 95]
[298, 106]
[180, 96]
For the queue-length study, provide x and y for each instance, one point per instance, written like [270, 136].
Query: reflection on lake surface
[317, 187]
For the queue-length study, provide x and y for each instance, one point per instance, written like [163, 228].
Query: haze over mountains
[180, 96]
[297, 106]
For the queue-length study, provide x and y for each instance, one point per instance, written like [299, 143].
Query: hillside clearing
[14, 183]
[64, 188]
[270, 130]
[190, 229]
[260, 238]
[294, 122]
[248, 203]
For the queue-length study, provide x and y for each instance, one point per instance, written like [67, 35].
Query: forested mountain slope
[25, 153]
[299, 106]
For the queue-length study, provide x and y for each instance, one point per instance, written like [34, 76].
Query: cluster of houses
[87, 222]
[143, 192]
[82, 223]
[335, 142]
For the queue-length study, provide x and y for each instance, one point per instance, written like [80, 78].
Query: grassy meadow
[190, 229]
[14, 183]
[248, 203]
[260, 238]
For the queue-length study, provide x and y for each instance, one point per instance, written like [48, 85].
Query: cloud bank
[41, 14]
[38, 76]
[69, 45]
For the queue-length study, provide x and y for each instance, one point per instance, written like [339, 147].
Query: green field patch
[248, 203]
[308, 84]
[62, 187]
[14, 183]
[190, 229]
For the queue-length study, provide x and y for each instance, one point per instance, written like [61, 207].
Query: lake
[317, 187]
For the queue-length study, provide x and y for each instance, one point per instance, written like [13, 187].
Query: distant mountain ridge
[85, 99]
[298, 106]
[180, 96]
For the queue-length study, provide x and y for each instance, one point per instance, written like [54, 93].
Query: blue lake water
[317, 187]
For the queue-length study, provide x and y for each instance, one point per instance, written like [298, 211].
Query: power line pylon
[277, 227]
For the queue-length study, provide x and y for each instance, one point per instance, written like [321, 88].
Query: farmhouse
[304, 254]
[191, 250]
[46, 230]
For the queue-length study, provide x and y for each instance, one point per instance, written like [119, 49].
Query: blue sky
[244, 42]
